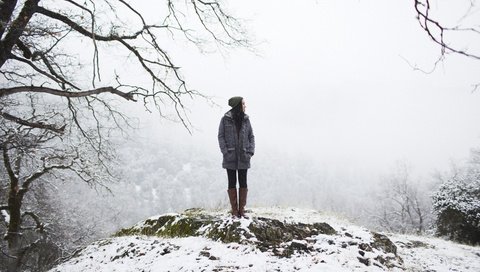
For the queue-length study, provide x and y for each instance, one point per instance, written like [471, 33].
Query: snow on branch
[4, 213]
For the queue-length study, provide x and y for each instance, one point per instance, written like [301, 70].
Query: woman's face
[243, 105]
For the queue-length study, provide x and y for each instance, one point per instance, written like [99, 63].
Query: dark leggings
[232, 178]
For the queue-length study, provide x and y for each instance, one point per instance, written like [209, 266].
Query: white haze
[332, 81]
[334, 105]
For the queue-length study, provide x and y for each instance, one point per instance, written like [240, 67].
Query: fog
[355, 110]
[338, 102]
[337, 99]
[335, 82]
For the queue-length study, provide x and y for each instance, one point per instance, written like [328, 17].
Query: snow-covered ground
[434, 254]
[329, 253]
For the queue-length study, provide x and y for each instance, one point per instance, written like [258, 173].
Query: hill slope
[270, 240]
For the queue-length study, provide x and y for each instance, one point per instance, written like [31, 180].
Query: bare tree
[402, 205]
[58, 98]
[32, 155]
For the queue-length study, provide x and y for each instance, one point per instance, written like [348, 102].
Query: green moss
[196, 222]
[183, 227]
[149, 226]
[154, 226]
[228, 234]
[187, 224]
[126, 232]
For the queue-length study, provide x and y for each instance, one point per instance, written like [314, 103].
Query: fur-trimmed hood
[229, 115]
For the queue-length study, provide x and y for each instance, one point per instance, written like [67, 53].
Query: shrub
[457, 206]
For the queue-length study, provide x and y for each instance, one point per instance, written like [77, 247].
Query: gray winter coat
[237, 149]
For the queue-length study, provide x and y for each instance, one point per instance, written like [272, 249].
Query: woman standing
[237, 143]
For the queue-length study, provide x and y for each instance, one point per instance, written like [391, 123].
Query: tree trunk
[13, 231]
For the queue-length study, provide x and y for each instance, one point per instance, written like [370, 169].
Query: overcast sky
[332, 80]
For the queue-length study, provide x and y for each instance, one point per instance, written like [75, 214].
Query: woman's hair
[238, 115]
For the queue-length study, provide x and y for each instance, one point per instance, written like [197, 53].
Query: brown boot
[232, 195]
[242, 195]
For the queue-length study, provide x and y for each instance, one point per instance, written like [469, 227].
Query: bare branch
[16, 29]
[54, 73]
[31, 64]
[416, 68]
[426, 22]
[96, 66]
[32, 124]
[475, 87]
[40, 226]
[37, 175]
[8, 166]
[229, 24]
[85, 32]
[35, 89]
[8, 255]
[6, 12]
[26, 51]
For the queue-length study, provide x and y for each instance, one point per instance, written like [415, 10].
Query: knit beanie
[232, 102]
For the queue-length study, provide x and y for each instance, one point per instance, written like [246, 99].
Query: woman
[237, 143]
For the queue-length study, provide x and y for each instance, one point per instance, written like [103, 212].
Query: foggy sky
[334, 81]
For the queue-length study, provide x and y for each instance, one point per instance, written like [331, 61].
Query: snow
[6, 216]
[439, 255]
[149, 254]
[460, 193]
[308, 216]
[144, 253]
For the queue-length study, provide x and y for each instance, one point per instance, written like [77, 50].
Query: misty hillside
[271, 239]
[114, 111]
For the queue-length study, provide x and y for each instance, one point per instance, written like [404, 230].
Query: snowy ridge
[271, 239]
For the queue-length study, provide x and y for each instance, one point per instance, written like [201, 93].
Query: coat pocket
[229, 156]
[245, 156]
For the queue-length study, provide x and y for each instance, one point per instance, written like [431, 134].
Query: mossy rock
[324, 228]
[384, 244]
[281, 238]
[149, 227]
[226, 233]
[191, 223]
[183, 227]
[267, 233]
[272, 232]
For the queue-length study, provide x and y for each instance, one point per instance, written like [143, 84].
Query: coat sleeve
[251, 139]
[221, 137]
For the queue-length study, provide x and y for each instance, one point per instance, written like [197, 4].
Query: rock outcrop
[281, 238]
